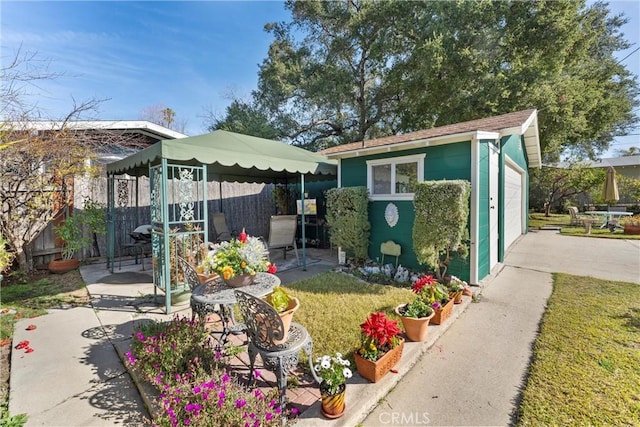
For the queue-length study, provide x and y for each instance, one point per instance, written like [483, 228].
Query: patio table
[608, 217]
[215, 296]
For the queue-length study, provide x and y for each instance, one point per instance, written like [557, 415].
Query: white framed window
[394, 178]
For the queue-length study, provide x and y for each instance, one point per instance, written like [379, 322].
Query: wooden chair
[222, 233]
[282, 234]
[263, 327]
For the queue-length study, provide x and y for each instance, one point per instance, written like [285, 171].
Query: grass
[538, 220]
[587, 356]
[31, 296]
[598, 232]
[333, 305]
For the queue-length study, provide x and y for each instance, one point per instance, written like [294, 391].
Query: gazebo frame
[178, 173]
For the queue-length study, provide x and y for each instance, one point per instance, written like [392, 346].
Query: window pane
[406, 177]
[381, 179]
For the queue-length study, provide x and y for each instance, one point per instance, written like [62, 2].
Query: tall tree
[163, 116]
[346, 71]
[245, 117]
[35, 163]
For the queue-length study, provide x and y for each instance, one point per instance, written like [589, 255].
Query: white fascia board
[426, 142]
[529, 130]
[143, 125]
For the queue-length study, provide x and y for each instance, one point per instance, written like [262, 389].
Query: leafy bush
[440, 226]
[348, 217]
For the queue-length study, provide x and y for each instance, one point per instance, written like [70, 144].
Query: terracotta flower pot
[287, 317]
[443, 314]
[456, 297]
[415, 328]
[631, 229]
[374, 371]
[333, 404]
[60, 266]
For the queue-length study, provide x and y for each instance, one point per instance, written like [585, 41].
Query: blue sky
[185, 55]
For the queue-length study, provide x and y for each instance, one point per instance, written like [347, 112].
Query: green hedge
[348, 217]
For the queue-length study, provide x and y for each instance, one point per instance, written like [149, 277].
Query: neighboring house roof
[617, 162]
[523, 123]
[141, 126]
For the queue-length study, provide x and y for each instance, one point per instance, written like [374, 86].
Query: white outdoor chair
[282, 234]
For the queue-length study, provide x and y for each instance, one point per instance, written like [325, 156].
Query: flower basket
[374, 371]
[240, 280]
[443, 313]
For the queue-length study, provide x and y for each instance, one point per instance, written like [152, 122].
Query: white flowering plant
[244, 255]
[334, 371]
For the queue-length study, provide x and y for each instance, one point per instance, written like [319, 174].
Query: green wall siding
[450, 161]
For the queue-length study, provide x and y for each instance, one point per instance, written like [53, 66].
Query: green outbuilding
[494, 154]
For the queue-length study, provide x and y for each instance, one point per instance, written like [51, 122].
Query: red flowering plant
[379, 335]
[244, 255]
[431, 291]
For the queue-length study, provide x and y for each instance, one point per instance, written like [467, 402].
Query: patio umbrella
[610, 190]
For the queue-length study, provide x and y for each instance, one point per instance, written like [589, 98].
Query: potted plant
[238, 260]
[631, 224]
[285, 305]
[333, 372]
[415, 317]
[380, 348]
[436, 295]
[73, 239]
[456, 287]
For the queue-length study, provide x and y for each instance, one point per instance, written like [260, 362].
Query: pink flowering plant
[431, 291]
[190, 372]
[202, 399]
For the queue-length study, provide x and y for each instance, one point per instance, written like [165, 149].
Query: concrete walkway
[470, 375]
[475, 373]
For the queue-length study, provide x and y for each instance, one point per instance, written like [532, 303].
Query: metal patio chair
[264, 326]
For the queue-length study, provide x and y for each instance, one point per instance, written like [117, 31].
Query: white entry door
[493, 207]
[513, 211]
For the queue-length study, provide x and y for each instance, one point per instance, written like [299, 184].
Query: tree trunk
[96, 247]
[23, 261]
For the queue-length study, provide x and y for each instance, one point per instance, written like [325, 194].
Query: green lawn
[586, 367]
[538, 220]
[333, 305]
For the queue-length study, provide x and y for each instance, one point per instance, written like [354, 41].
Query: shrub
[348, 217]
[440, 226]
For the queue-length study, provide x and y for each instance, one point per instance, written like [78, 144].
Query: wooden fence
[247, 206]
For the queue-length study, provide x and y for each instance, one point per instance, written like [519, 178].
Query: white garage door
[512, 205]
